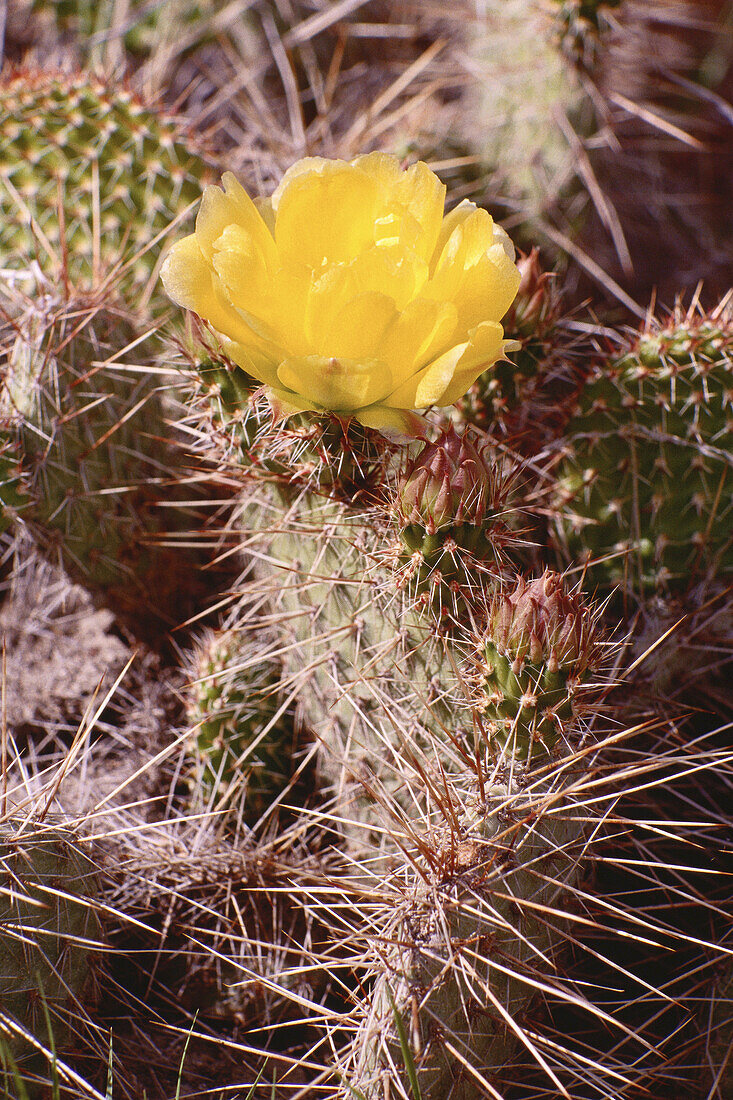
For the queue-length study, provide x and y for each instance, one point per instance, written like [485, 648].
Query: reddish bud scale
[450, 483]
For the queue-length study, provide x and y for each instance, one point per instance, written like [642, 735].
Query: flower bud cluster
[450, 483]
[541, 621]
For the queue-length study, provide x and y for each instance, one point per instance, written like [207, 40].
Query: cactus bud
[534, 298]
[451, 503]
[540, 646]
[450, 483]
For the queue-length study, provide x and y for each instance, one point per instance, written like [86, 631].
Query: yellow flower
[348, 291]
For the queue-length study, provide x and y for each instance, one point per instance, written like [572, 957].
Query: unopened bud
[541, 621]
[450, 483]
[534, 297]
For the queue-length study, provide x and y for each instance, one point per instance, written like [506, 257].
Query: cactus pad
[645, 485]
[89, 174]
[47, 926]
[244, 727]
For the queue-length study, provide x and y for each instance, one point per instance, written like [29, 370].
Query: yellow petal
[427, 386]
[291, 290]
[447, 378]
[264, 208]
[452, 220]
[192, 283]
[336, 384]
[325, 214]
[486, 289]
[398, 425]
[233, 206]
[303, 167]
[484, 348]
[355, 329]
[243, 273]
[284, 405]
[251, 360]
[417, 336]
[470, 239]
[388, 270]
[424, 196]
[417, 192]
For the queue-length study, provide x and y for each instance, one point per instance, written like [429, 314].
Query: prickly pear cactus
[532, 109]
[140, 26]
[48, 929]
[244, 726]
[342, 531]
[645, 481]
[90, 444]
[90, 176]
[456, 954]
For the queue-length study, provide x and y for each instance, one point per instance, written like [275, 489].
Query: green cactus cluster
[645, 480]
[454, 952]
[413, 903]
[90, 178]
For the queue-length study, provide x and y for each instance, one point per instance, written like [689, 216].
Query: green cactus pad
[89, 175]
[645, 483]
[94, 450]
[456, 955]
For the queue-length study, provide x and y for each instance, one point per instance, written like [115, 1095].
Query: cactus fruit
[243, 723]
[90, 176]
[79, 424]
[540, 649]
[48, 931]
[453, 512]
[645, 482]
